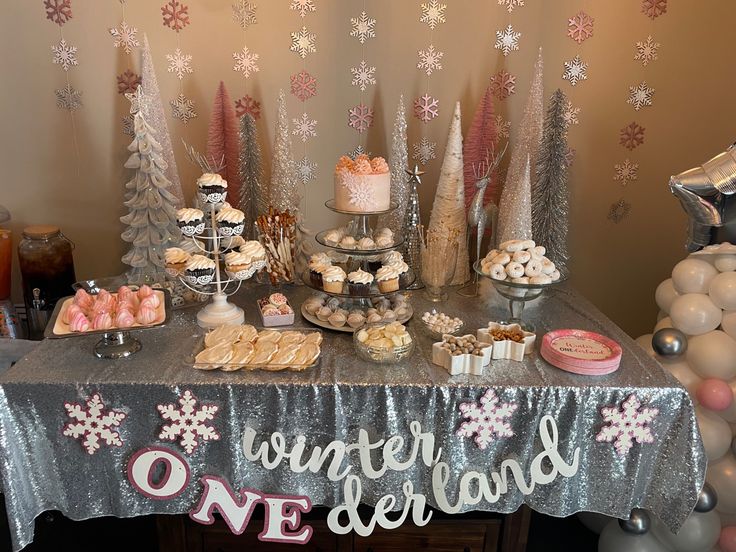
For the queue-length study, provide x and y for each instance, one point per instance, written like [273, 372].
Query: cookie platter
[348, 316]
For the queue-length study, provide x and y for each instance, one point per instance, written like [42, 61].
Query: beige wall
[617, 266]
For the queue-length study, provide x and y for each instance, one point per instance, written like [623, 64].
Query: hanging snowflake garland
[128, 81]
[626, 424]
[188, 422]
[306, 169]
[175, 15]
[247, 104]
[426, 108]
[363, 27]
[303, 85]
[64, 55]
[360, 117]
[68, 98]
[646, 51]
[179, 63]
[580, 27]
[430, 60]
[640, 96]
[246, 62]
[305, 127]
[570, 115]
[303, 43]
[125, 37]
[619, 211]
[433, 13]
[511, 4]
[631, 136]
[363, 75]
[653, 8]
[182, 108]
[93, 424]
[575, 71]
[626, 172]
[502, 127]
[244, 13]
[303, 7]
[507, 40]
[503, 84]
[486, 419]
[58, 11]
[424, 151]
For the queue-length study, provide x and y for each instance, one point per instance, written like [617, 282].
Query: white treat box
[461, 364]
[507, 349]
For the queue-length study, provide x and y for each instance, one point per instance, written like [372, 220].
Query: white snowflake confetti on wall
[188, 422]
[244, 13]
[68, 98]
[360, 117]
[424, 151]
[64, 55]
[433, 13]
[363, 27]
[626, 172]
[125, 37]
[305, 127]
[179, 63]
[93, 424]
[575, 71]
[486, 419]
[626, 424]
[640, 96]
[426, 108]
[182, 108]
[507, 40]
[303, 7]
[430, 59]
[303, 42]
[363, 75]
[246, 62]
[646, 51]
[511, 4]
[306, 169]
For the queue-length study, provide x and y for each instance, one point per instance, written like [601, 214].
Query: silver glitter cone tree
[285, 192]
[448, 210]
[513, 224]
[550, 206]
[412, 228]
[155, 116]
[151, 217]
[253, 199]
[398, 162]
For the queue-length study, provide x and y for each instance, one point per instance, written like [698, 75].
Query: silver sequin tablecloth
[43, 470]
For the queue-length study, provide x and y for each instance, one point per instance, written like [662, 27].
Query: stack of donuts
[520, 262]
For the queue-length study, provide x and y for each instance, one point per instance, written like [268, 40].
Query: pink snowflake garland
[175, 15]
[503, 84]
[128, 81]
[632, 136]
[303, 85]
[626, 424]
[188, 422]
[93, 424]
[580, 27]
[653, 8]
[426, 108]
[58, 11]
[360, 117]
[246, 104]
[486, 419]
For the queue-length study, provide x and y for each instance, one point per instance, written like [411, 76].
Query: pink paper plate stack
[581, 352]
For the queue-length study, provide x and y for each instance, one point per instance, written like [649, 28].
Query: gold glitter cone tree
[398, 160]
[285, 193]
[513, 221]
[448, 210]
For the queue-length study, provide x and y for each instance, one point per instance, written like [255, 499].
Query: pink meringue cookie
[146, 316]
[83, 299]
[144, 291]
[102, 321]
[124, 319]
[79, 323]
[152, 301]
[126, 305]
[69, 313]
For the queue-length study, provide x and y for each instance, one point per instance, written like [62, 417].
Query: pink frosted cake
[363, 185]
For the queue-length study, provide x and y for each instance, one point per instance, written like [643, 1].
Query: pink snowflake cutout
[175, 14]
[632, 136]
[486, 419]
[360, 117]
[626, 424]
[580, 27]
[58, 11]
[426, 108]
[128, 81]
[653, 8]
[93, 424]
[503, 84]
[303, 85]
[246, 104]
[188, 422]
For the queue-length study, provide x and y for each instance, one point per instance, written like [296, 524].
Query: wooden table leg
[516, 530]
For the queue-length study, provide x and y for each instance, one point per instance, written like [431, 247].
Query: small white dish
[461, 364]
[507, 349]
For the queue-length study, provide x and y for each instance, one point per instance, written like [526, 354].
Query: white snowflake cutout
[360, 117]
[433, 13]
[64, 55]
[68, 98]
[570, 114]
[303, 42]
[179, 63]
[358, 150]
[502, 127]
[575, 70]
[363, 75]
[360, 193]
[125, 37]
[93, 424]
[305, 127]
[246, 62]
[426, 108]
[182, 108]
[188, 422]
[626, 424]
[486, 420]
[507, 40]
[640, 96]
[430, 60]
[646, 51]
[363, 27]
[626, 172]
[306, 169]
[511, 4]
[303, 7]
[424, 151]
[244, 13]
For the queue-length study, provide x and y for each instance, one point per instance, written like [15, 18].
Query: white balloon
[665, 294]
[681, 370]
[730, 413]
[665, 322]
[594, 521]
[725, 263]
[693, 275]
[699, 532]
[722, 476]
[722, 290]
[728, 323]
[695, 314]
[712, 355]
[615, 539]
[726, 519]
[716, 434]
[645, 342]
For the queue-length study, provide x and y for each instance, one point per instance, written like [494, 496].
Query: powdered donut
[512, 246]
[515, 270]
[533, 268]
[543, 279]
[501, 258]
[522, 280]
[538, 251]
[555, 275]
[528, 244]
[521, 257]
[492, 253]
[548, 267]
[498, 272]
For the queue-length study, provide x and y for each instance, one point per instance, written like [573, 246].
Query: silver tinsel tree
[285, 192]
[398, 160]
[253, 198]
[550, 208]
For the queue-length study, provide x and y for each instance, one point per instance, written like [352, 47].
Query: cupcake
[392, 257]
[366, 244]
[236, 262]
[230, 222]
[199, 270]
[403, 269]
[359, 282]
[388, 279]
[318, 263]
[256, 251]
[190, 221]
[232, 244]
[333, 279]
[348, 242]
[211, 188]
[176, 260]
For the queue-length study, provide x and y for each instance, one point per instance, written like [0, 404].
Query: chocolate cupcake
[190, 221]
[317, 264]
[359, 282]
[199, 270]
[230, 222]
[211, 188]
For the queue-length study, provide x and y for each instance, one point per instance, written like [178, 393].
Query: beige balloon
[695, 314]
[722, 476]
[693, 275]
[716, 433]
[712, 355]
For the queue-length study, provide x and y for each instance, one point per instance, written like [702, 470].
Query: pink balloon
[727, 541]
[714, 394]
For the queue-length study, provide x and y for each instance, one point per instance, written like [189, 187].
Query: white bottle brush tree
[151, 219]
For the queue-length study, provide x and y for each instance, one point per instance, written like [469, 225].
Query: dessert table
[549, 459]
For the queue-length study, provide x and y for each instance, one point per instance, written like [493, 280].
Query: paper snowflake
[626, 172]
[619, 211]
[303, 7]
[503, 84]
[569, 157]
[626, 424]
[305, 127]
[175, 15]
[363, 75]
[245, 62]
[507, 40]
[640, 96]
[303, 85]
[179, 63]
[632, 136]
[426, 108]
[246, 104]
[646, 51]
[575, 70]
[486, 420]
[64, 55]
[358, 150]
[182, 108]
[570, 115]
[306, 170]
[188, 422]
[58, 11]
[580, 27]
[363, 27]
[127, 125]
[360, 117]
[68, 98]
[424, 151]
[511, 4]
[125, 37]
[433, 13]
[303, 42]
[430, 60]
[93, 424]
[502, 127]
[128, 81]
[653, 8]
[244, 13]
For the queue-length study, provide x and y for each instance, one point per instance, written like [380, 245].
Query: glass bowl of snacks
[384, 343]
[436, 324]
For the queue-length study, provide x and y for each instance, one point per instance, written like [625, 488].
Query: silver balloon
[637, 524]
[614, 539]
[707, 499]
[669, 342]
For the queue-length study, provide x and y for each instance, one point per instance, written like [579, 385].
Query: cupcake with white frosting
[318, 263]
[255, 250]
[176, 260]
[190, 221]
[199, 270]
[359, 282]
[333, 279]
[230, 222]
[388, 279]
[211, 188]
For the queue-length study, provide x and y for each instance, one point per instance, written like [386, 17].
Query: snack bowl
[379, 353]
[436, 332]
[507, 348]
[466, 363]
